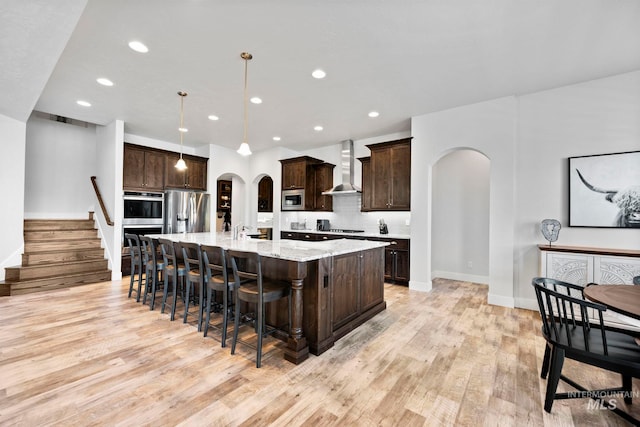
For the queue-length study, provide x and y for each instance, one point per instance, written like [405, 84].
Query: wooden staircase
[57, 254]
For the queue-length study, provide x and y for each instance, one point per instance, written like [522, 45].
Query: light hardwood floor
[91, 356]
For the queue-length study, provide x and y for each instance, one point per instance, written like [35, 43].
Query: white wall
[597, 117]
[108, 173]
[527, 140]
[460, 229]
[489, 128]
[12, 172]
[60, 160]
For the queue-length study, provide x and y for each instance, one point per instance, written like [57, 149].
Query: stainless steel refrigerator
[186, 211]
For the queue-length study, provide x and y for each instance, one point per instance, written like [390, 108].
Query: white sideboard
[581, 265]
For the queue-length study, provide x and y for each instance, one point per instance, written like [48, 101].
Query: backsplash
[346, 215]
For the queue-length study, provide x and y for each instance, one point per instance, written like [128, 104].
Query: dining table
[623, 300]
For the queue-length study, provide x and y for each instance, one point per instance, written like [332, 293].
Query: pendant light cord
[181, 119]
[246, 115]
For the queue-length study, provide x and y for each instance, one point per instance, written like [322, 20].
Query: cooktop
[343, 230]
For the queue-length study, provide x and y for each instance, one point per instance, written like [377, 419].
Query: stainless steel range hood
[346, 164]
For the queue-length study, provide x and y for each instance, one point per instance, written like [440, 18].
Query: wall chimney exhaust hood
[346, 164]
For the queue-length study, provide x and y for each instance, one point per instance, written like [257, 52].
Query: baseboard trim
[483, 280]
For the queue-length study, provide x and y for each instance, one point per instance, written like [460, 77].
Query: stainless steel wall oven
[143, 208]
[143, 214]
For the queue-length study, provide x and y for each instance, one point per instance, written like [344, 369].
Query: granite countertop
[291, 250]
[364, 234]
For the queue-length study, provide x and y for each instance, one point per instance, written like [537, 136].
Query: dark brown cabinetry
[396, 261]
[151, 169]
[143, 169]
[224, 196]
[294, 235]
[396, 254]
[355, 294]
[193, 178]
[366, 184]
[390, 175]
[297, 173]
[323, 174]
[265, 194]
[311, 175]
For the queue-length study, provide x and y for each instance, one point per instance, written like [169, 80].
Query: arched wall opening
[238, 202]
[460, 247]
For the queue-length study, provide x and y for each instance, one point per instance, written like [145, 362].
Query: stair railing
[102, 206]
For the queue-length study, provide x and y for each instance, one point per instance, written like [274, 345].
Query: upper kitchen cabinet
[143, 169]
[323, 181]
[297, 173]
[366, 183]
[265, 194]
[390, 175]
[313, 176]
[193, 178]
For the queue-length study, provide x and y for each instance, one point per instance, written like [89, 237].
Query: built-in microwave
[292, 200]
[143, 208]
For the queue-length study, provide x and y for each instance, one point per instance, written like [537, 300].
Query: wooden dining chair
[136, 264]
[255, 289]
[572, 332]
[174, 273]
[217, 280]
[154, 269]
[194, 280]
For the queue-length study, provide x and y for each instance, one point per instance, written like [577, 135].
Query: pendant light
[244, 147]
[180, 164]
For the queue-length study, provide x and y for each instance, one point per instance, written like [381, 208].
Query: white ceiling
[401, 58]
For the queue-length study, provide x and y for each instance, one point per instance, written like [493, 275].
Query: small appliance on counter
[323, 225]
[383, 226]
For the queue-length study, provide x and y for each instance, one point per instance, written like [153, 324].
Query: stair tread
[81, 261]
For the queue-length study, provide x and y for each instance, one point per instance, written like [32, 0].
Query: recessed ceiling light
[319, 74]
[373, 114]
[184, 130]
[317, 128]
[256, 100]
[83, 103]
[276, 138]
[213, 117]
[138, 46]
[104, 81]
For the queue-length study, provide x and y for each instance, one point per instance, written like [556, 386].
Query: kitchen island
[336, 285]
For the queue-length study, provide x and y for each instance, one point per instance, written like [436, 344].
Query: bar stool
[173, 271]
[194, 276]
[217, 274]
[136, 263]
[257, 290]
[154, 268]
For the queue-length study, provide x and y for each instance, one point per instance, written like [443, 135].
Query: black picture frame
[604, 190]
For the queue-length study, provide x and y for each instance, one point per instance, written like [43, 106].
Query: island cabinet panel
[371, 292]
[143, 169]
[390, 175]
[345, 289]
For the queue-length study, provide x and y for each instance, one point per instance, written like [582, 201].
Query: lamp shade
[180, 164]
[244, 149]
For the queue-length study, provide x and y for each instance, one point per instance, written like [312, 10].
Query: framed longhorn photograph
[604, 190]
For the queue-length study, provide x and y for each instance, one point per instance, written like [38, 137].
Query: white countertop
[363, 234]
[291, 250]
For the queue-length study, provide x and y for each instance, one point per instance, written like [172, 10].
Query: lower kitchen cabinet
[396, 255]
[396, 261]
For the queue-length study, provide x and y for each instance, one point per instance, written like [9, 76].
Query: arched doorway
[460, 216]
